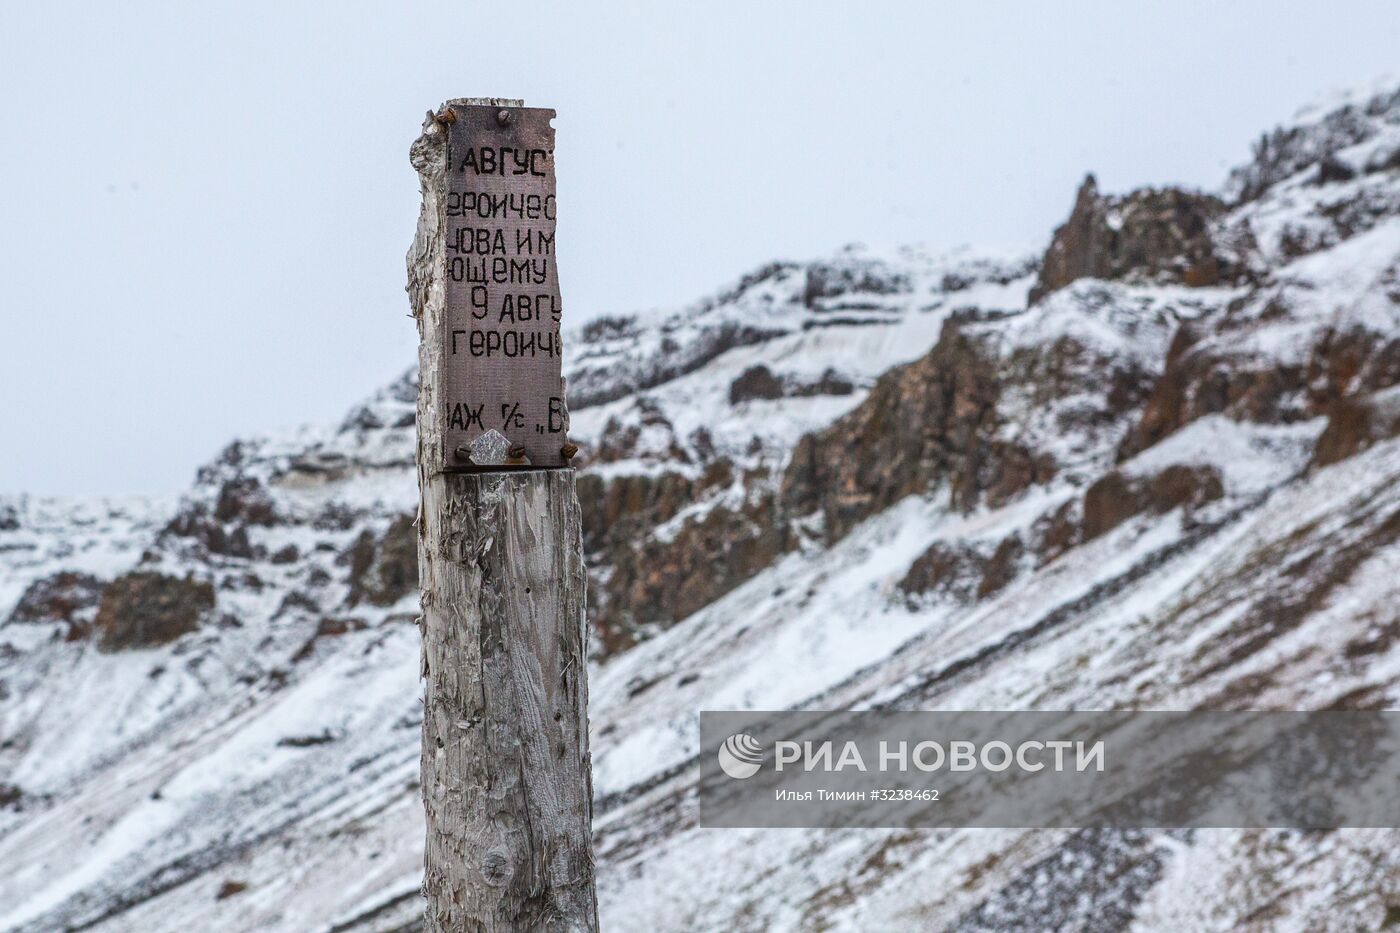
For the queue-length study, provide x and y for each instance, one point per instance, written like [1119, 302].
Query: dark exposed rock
[296, 602]
[288, 554]
[963, 572]
[953, 433]
[243, 500]
[336, 516]
[1197, 383]
[659, 582]
[392, 406]
[830, 383]
[1128, 389]
[1155, 234]
[945, 569]
[1353, 361]
[236, 544]
[639, 582]
[1058, 531]
[1203, 377]
[1334, 220]
[759, 382]
[1115, 497]
[363, 418]
[329, 627]
[628, 506]
[756, 382]
[325, 737]
[145, 608]
[334, 626]
[383, 570]
[607, 381]
[925, 424]
[621, 441]
[1354, 424]
[229, 889]
[841, 277]
[703, 443]
[1332, 169]
[246, 580]
[1286, 151]
[617, 442]
[63, 597]
[9, 517]
[609, 327]
[1012, 469]
[769, 272]
[230, 460]
[195, 523]
[1181, 485]
[321, 466]
[1109, 502]
[1002, 567]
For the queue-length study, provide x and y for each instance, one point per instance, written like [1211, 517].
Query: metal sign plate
[504, 401]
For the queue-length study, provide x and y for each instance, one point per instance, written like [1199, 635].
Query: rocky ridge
[1156, 466]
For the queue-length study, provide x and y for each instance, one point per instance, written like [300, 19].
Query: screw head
[569, 450]
[503, 117]
[463, 453]
[516, 451]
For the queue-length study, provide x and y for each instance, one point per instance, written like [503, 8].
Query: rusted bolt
[569, 450]
[463, 453]
[516, 451]
[445, 115]
[503, 117]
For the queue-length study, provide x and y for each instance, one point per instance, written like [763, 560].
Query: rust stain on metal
[501, 342]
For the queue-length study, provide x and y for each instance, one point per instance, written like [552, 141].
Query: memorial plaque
[503, 405]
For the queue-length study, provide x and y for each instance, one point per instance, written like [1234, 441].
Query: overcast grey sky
[204, 207]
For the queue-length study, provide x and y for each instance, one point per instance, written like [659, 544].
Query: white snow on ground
[255, 752]
[1251, 458]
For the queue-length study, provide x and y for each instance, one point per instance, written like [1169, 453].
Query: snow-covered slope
[885, 479]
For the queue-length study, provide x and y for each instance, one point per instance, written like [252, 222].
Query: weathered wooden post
[507, 786]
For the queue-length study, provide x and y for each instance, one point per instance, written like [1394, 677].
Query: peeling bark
[507, 786]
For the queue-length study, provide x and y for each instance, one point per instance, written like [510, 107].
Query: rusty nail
[449, 115]
[464, 453]
[568, 450]
[503, 117]
[516, 451]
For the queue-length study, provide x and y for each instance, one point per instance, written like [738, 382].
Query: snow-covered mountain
[1156, 465]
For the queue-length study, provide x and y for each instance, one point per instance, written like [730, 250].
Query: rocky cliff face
[1155, 466]
[1148, 235]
